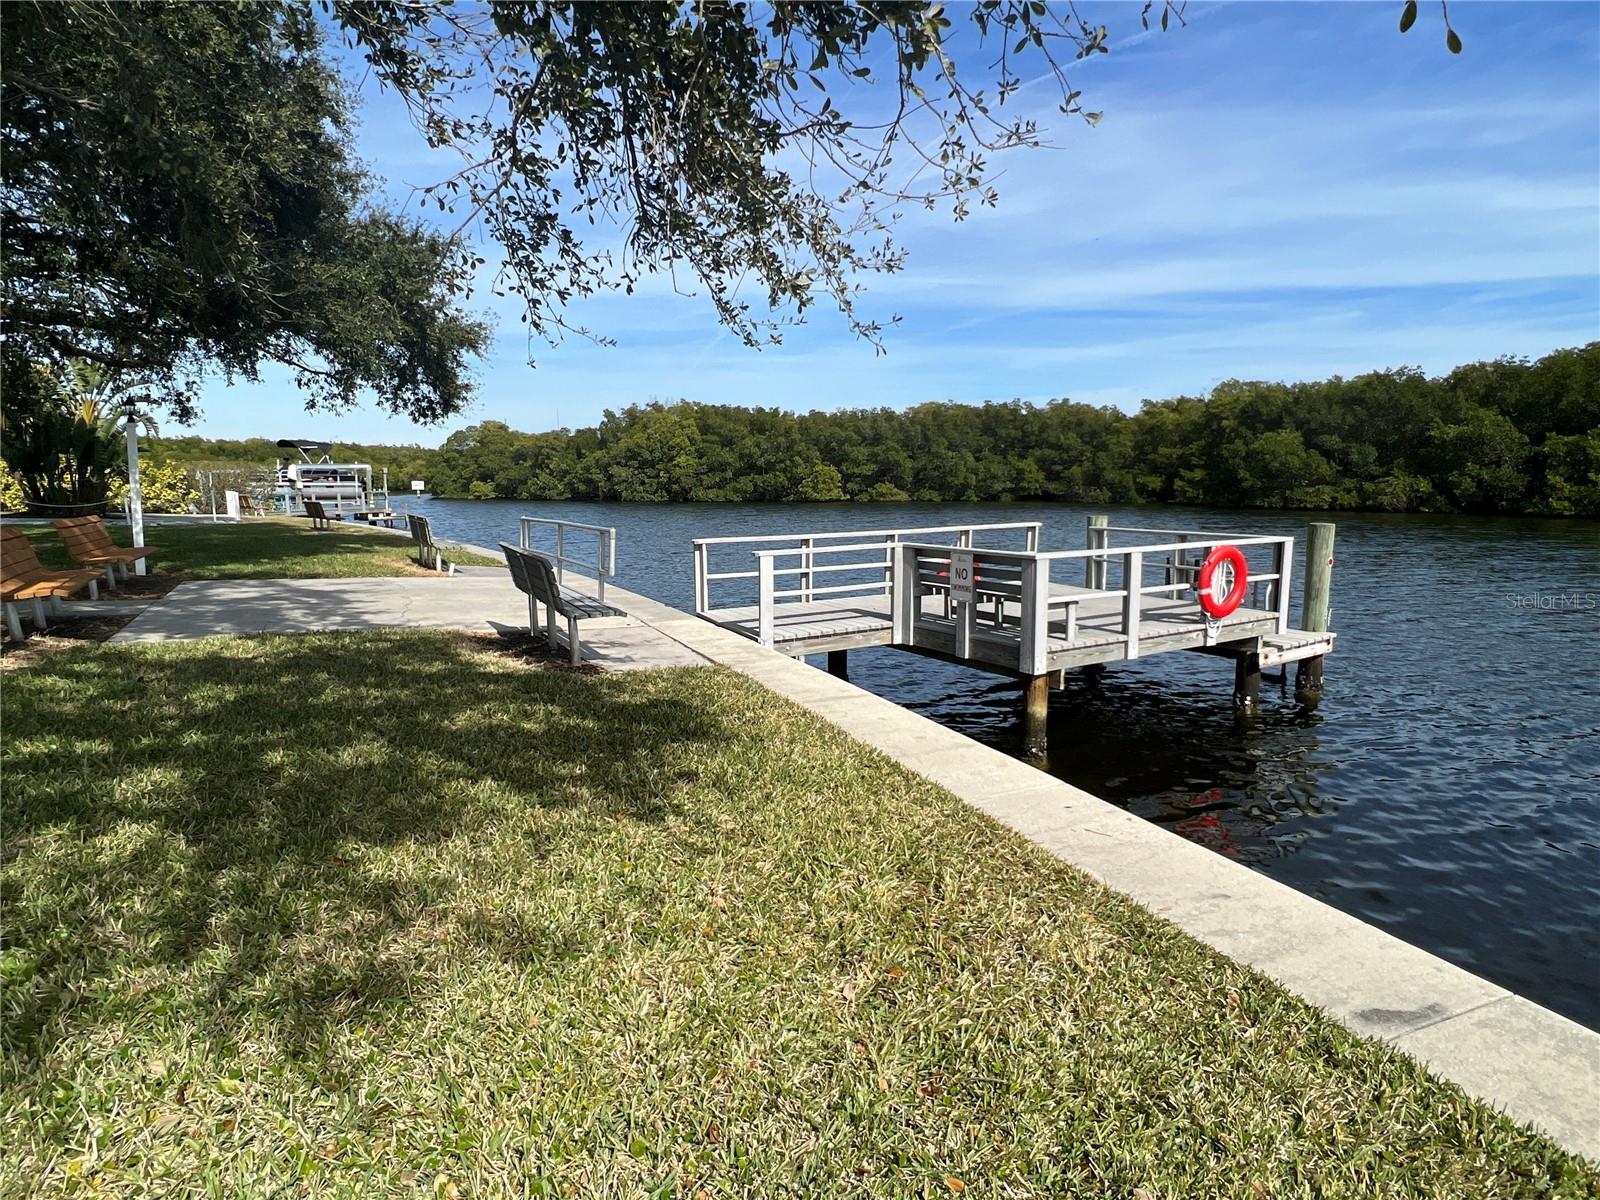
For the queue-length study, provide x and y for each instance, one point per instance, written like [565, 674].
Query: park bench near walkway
[535, 577]
[89, 542]
[429, 552]
[24, 578]
[319, 515]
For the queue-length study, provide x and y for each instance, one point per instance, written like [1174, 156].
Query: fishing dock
[964, 595]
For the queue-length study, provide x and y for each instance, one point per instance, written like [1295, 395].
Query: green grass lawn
[389, 914]
[261, 548]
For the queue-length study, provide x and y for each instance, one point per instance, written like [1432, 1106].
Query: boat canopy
[307, 447]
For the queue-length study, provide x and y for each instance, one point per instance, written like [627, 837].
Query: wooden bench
[319, 515]
[89, 542]
[429, 552]
[23, 577]
[535, 577]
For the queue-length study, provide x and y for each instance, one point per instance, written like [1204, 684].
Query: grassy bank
[261, 548]
[528, 932]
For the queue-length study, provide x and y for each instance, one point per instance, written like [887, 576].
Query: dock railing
[603, 567]
[1024, 599]
[1018, 606]
[804, 557]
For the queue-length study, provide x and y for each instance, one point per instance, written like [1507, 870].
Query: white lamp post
[135, 493]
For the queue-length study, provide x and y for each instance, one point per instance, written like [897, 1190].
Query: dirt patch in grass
[63, 634]
[143, 587]
[533, 650]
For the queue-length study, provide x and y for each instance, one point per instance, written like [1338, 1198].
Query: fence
[1026, 602]
[803, 557]
[1021, 602]
[603, 567]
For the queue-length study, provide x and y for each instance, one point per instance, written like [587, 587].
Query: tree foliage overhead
[178, 192]
[733, 144]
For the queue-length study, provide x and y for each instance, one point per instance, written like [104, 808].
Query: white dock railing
[871, 559]
[1025, 609]
[603, 567]
[1023, 599]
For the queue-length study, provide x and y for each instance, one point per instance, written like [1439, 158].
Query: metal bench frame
[429, 553]
[535, 577]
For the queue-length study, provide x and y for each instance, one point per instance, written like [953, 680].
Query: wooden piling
[839, 663]
[1097, 539]
[1315, 609]
[1247, 682]
[1035, 717]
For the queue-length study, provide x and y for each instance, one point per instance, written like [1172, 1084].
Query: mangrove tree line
[1508, 436]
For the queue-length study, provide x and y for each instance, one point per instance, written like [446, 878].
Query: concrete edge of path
[1533, 1064]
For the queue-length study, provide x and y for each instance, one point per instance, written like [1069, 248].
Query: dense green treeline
[1508, 436]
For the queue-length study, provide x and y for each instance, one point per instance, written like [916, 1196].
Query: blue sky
[1277, 191]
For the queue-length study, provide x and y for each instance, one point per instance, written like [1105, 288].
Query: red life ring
[1232, 558]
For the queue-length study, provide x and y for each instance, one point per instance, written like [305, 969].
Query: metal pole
[135, 492]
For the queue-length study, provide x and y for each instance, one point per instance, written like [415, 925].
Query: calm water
[1448, 789]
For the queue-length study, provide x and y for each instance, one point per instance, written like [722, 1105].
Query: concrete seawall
[1533, 1064]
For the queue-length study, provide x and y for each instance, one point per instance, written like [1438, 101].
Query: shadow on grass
[286, 828]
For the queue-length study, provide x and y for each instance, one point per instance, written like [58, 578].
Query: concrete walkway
[479, 600]
[1533, 1064]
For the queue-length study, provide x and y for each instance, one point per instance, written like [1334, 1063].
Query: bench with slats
[535, 577]
[89, 542]
[23, 578]
[320, 519]
[429, 552]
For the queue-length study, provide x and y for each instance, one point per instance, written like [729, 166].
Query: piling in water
[1315, 609]
[1098, 539]
[1035, 716]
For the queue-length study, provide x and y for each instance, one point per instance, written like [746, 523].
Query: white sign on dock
[962, 578]
[416, 485]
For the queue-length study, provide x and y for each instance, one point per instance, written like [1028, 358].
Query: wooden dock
[1023, 612]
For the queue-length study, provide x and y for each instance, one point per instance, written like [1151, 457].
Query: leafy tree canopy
[728, 142]
[178, 188]
[178, 191]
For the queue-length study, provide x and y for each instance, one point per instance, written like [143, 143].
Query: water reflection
[1240, 784]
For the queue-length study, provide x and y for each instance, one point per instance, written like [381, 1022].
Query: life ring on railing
[1223, 579]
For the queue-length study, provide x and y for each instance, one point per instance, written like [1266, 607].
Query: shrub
[11, 496]
[165, 487]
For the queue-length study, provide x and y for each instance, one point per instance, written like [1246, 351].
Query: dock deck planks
[848, 623]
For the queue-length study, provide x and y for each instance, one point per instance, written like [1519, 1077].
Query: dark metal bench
[535, 577]
[429, 552]
[319, 515]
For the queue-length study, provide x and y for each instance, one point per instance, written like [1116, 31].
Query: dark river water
[1447, 790]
